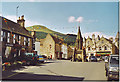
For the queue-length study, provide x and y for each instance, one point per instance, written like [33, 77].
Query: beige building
[99, 46]
[117, 43]
[54, 48]
[51, 47]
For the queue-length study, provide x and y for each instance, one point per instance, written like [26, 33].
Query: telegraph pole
[17, 12]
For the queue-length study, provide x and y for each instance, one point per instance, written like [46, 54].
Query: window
[50, 46]
[99, 48]
[1, 35]
[8, 40]
[102, 41]
[24, 40]
[4, 34]
[105, 48]
[88, 48]
[14, 38]
[19, 39]
[88, 42]
[28, 41]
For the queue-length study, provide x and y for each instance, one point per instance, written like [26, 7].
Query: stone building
[51, 47]
[15, 38]
[117, 43]
[99, 46]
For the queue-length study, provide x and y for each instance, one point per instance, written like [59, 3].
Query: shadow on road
[40, 77]
[15, 67]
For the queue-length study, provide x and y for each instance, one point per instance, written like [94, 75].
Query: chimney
[21, 21]
[93, 38]
[98, 38]
[111, 39]
[33, 33]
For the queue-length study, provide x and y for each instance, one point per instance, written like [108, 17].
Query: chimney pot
[19, 18]
[22, 17]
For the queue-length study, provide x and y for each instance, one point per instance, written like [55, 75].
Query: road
[59, 70]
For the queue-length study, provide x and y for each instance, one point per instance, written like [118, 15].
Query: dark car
[93, 59]
[112, 67]
[30, 59]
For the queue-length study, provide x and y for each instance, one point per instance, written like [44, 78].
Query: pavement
[60, 70]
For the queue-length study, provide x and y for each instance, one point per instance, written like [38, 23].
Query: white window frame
[14, 38]
[28, 41]
[24, 40]
[19, 39]
[1, 35]
[8, 38]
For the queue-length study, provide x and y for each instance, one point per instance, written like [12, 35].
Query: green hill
[42, 31]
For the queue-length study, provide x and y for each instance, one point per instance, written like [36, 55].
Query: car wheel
[108, 78]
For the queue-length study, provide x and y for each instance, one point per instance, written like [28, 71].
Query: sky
[93, 17]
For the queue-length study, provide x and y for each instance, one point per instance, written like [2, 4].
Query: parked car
[40, 59]
[6, 63]
[92, 58]
[98, 58]
[106, 59]
[112, 67]
[30, 59]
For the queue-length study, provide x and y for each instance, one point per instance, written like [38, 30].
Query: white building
[37, 47]
[64, 50]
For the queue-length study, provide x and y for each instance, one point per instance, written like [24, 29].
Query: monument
[79, 51]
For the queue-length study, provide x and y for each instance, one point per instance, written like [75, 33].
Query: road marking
[12, 75]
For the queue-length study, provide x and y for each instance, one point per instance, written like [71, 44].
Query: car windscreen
[93, 57]
[114, 60]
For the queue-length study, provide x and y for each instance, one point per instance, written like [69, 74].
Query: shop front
[104, 53]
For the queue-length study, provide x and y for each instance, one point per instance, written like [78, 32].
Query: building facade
[99, 46]
[67, 51]
[51, 47]
[37, 46]
[79, 52]
[15, 38]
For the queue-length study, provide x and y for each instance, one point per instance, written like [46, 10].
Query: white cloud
[71, 19]
[79, 19]
[27, 22]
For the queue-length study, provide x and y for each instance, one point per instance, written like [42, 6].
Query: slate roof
[56, 39]
[14, 27]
